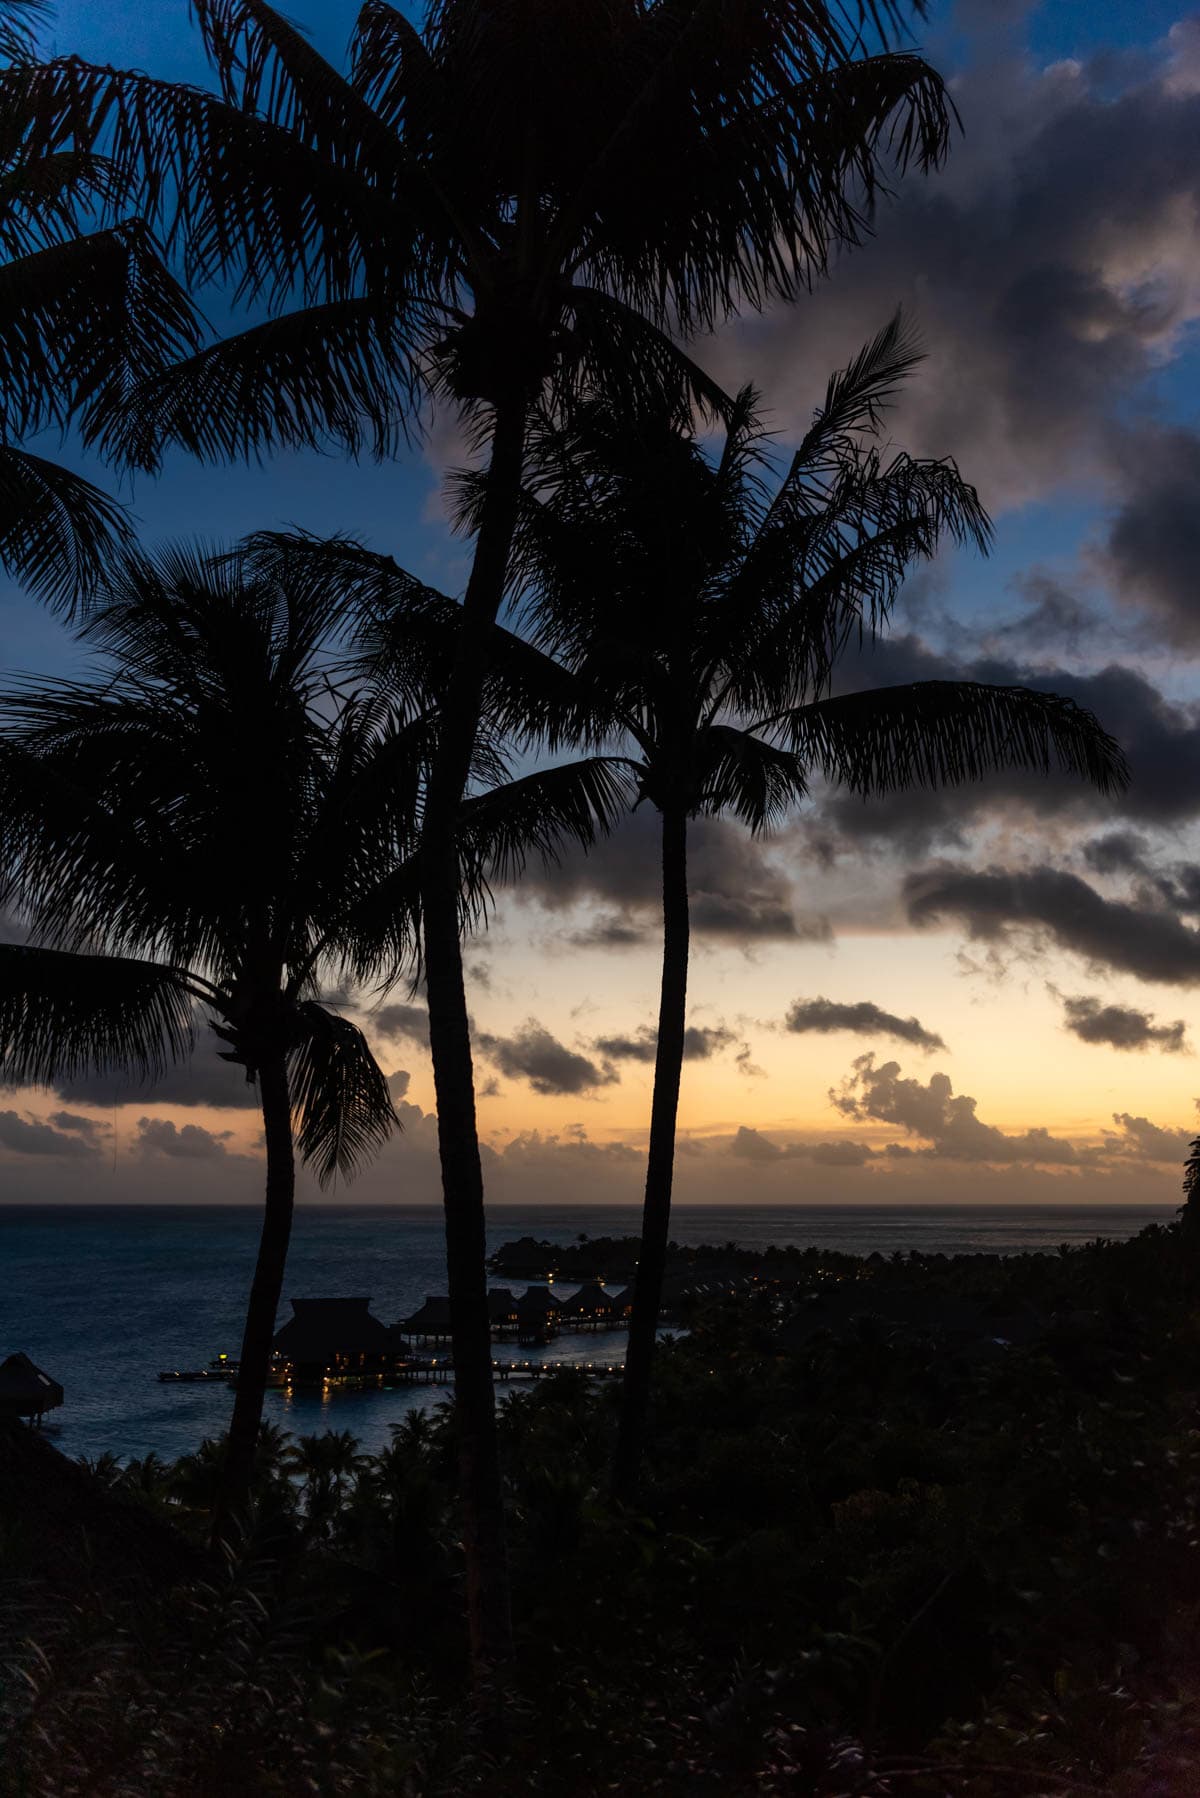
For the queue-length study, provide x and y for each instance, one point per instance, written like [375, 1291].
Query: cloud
[738, 891]
[202, 1079]
[1050, 268]
[700, 1043]
[1152, 550]
[91, 1129]
[751, 1145]
[1146, 1141]
[1120, 852]
[551, 1068]
[931, 1111]
[863, 1018]
[1120, 1026]
[30, 1136]
[189, 1142]
[1137, 938]
[611, 931]
[401, 1023]
[1160, 738]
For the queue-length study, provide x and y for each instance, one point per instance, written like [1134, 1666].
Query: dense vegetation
[883, 1560]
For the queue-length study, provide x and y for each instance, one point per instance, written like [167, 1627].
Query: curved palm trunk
[660, 1167]
[450, 1045]
[265, 1289]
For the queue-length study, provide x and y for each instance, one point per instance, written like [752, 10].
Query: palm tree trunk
[660, 1167]
[265, 1289]
[480, 1490]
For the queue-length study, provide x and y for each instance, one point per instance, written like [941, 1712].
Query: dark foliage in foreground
[888, 1562]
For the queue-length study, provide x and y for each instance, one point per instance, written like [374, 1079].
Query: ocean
[103, 1297]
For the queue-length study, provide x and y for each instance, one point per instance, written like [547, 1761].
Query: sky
[981, 996]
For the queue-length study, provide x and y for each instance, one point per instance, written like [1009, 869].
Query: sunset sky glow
[1011, 970]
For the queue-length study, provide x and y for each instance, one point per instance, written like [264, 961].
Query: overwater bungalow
[333, 1339]
[591, 1308]
[25, 1391]
[538, 1316]
[502, 1310]
[431, 1324]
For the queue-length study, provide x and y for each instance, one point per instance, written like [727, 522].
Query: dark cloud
[91, 1129]
[948, 1122]
[1160, 738]
[751, 1145]
[738, 891]
[611, 931]
[203, 1079]
[1053, 618]
[1120, 852]
[863, 1018]
[30, 1136]
[1152, 550]
[1145, 1141]
[187, 1142]
[1143, 939]
[533, 1054]
[401, 1022]
[700, 1042]
[1120, 1026]
[1050, 268]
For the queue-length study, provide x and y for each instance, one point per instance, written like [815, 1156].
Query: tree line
[291, 764]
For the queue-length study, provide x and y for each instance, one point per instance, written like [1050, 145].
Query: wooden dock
[411, 1373]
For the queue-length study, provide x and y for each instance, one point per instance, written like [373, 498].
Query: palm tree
[467, 215]
[183, 832]
[326, 1463]
[702, 607]
[215, 823]
[85, 316]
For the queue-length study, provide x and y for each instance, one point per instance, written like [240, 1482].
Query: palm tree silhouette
[85, 316]
[467, 216]
[216, 823]
[183, 832]
[703, 607]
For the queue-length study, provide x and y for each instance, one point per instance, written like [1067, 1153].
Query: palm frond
[64, 1014]
[43, 198]
[618, 352]
[344, 373]
[739, 773]
[84, 321]
[858, 394]
[819, 573]
[942, 733]
[782, 136]
[58, 532]
[393, 69]
[340, 1100]
[19, 24]
[500, 831]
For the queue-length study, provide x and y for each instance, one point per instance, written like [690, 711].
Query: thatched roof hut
[502, 1305]
[322, 1330]
[590, 1301]
[25, 1391]
[432, 1320]
[538, 1301]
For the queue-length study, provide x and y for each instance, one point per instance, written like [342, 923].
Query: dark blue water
[103, 1297]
